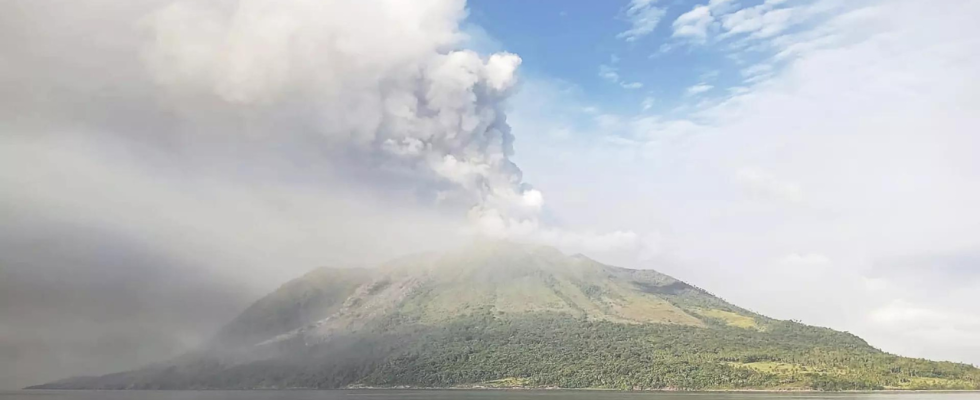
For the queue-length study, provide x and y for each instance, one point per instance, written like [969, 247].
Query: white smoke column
[380, 79]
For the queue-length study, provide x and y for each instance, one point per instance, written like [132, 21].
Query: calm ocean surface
[464, 395]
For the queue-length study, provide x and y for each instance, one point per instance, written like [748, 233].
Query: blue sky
[590, 45]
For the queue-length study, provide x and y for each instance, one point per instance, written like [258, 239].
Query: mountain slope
[502, 314]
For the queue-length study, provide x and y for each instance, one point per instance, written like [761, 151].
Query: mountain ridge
[527, 316]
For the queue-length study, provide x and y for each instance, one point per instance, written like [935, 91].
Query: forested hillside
[506, 315]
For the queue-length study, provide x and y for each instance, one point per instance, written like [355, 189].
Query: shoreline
[666, 390]
[516, 389]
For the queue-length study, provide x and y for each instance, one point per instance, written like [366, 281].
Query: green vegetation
[503, 315]
[600, 354]
[730, 318]
[508, 382]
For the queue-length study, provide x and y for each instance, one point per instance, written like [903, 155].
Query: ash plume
[246, 141]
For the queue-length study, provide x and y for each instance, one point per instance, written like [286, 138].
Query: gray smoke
[164, 162]
[378, 81]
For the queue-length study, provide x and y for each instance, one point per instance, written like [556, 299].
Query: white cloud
[498, 226]
[693, 24]
[697, 24]
[607, 121]
[643, 17]
[698, 89]
[863, 121]
[648, 103]
[761, 21]
[655, 129]
[720, 20]
[805, 259]
[608, 73]
[756, 72]
[719, 7]
[921, 327]
[611, 74]
[620, 141]
[560, 133]
[663, 49]
[860, 140]
[758, 181]
[902, 314]
[710, 75]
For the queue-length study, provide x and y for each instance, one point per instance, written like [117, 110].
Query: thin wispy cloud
[643, 16]
[611, 74]
[648, 103]
[694, 24]
[698, 89]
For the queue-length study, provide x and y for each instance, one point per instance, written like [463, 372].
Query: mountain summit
[500, 314]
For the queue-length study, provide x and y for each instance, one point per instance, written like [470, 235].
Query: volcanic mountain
[500, 314]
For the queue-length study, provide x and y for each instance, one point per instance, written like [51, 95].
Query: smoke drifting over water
[240, 142]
